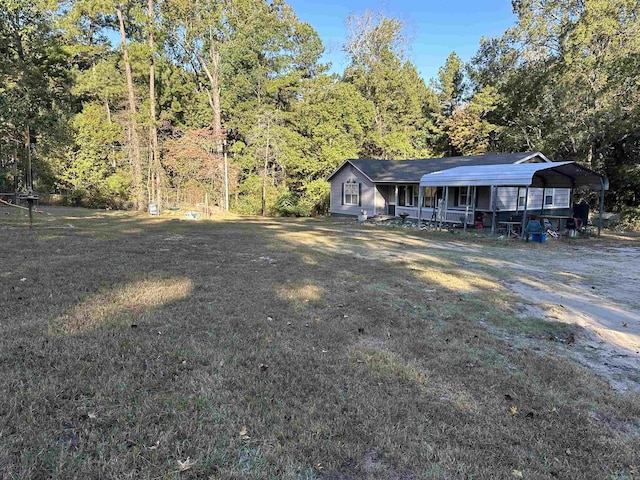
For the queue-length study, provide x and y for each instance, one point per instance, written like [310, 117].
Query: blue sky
[436, 27]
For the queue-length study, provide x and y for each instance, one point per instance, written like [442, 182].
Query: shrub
[317, 194]
[290, 205]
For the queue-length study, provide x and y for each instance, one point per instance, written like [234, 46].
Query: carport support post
[524, 214]
[420, 187]
[494, 208]
[466, 211]
[601, 206]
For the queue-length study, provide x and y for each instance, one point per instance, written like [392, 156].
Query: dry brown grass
[122, 307]
[294, 349]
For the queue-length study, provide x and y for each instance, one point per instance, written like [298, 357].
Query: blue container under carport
[539, 237]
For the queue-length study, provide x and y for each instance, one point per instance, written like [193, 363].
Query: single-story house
[459, 188]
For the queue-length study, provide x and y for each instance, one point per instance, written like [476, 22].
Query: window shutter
[359, 194]
[342, 195]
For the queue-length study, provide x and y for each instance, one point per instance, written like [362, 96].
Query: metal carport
[528, 175]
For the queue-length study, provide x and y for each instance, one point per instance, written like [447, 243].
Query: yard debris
[263, 367]
[23, 279]
[186, 465]
[244, 434]
[513, 410]
[517, 474]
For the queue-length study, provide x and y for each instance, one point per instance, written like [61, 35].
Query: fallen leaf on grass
[513, 410]
[243, 431]
[517, 473]
[186, 465]
[263, 367]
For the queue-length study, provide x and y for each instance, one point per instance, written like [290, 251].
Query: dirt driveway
[593, 284]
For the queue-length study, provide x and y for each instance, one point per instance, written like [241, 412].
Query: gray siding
[508, 198]
[366, 191]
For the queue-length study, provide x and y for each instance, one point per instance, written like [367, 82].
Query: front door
[391, 210]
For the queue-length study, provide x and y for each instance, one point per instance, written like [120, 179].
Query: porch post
[375, 199]
[494, 208]
[524, 214]
[601, 206]
[395, 193]
[466, 208]
[419, 204]
[473, 204]
[544, 189]
[446, 205]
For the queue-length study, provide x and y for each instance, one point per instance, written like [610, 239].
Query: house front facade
[392, 188]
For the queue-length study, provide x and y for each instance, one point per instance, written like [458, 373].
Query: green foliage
[35, 81]
[470, 131]
[380, 72]
[317, 194]
[563, 80]
[290, 205]
[571, 89]
[247, 198]
[450, 90]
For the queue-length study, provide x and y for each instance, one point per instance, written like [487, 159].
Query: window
[548, 197]
[407, 195]
[351, 193]
[521, 198]
[463, 200]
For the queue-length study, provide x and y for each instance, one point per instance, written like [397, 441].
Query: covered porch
[413, 201]
[534, 175]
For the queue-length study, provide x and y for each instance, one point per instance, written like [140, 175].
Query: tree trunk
[214, 56]
[264, 175]
[134, 151]
[153, 131]
[212, 70]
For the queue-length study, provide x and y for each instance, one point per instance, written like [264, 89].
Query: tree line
[119, 101]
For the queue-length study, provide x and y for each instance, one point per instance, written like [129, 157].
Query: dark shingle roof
[412, 170]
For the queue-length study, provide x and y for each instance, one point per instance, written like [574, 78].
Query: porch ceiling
[540, 175]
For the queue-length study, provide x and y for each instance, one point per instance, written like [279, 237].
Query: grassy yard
[137, 347]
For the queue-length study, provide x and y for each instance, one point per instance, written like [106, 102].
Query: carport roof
[540, 175]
